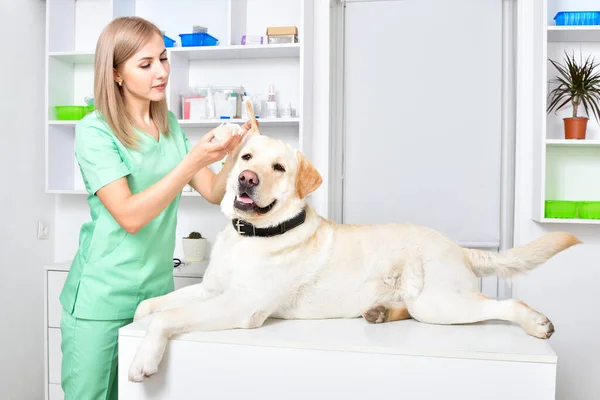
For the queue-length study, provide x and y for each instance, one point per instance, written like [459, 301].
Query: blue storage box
[197, 39]
[169, 42]
[577, 18]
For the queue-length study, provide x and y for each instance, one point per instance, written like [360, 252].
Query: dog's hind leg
[451, 307]
[386, 312]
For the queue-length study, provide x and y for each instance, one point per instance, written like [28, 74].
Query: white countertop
[188, 270]
[493, 340]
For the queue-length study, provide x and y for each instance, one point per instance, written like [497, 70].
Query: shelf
[80, 192]
[73, 57]
[569, 221]
[201, 52]
[574, 33]
[211, 123]
[291, 50]
[572, 143]
[62, 123]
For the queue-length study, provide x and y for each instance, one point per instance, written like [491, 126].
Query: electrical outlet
[42, 230]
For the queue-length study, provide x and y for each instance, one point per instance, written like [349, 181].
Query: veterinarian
[135, 160]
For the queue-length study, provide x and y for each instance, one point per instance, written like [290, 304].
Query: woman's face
[145, 75]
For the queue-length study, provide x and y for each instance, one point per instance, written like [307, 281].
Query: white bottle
[286, 110]
[271, 103]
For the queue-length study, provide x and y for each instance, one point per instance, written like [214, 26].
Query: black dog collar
[247, 229]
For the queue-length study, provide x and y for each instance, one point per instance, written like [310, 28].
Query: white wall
[23, 200]
[565, 289]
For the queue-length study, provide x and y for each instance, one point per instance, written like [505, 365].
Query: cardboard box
[281, 30]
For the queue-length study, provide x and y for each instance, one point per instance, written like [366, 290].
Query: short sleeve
[98, 156]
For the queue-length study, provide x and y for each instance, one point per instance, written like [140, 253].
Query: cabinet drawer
[185, 281]
[56, 281]
[55, 392]
[54, 355]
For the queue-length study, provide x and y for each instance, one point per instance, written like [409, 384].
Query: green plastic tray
[560, 209]
[589, 210]
[72, 113]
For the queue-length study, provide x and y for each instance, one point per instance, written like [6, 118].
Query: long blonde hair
[119, 41]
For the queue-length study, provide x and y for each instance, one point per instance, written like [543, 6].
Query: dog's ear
[308, 178]
[252, 116]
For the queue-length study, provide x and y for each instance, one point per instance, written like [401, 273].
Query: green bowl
[70, 113]
[589, 210]
[560, 209]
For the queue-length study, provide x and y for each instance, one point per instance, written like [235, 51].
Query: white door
[422, 115]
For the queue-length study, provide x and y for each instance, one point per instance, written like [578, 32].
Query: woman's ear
[117, 77]
[308, 178]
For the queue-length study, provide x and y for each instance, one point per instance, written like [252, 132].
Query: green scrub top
[113, 271]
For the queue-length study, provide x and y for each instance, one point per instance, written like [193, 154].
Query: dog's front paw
[144, 309]
[376, 314]
[147, 359]
[139, 371]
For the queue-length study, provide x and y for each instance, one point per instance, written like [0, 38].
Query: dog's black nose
[248, 179]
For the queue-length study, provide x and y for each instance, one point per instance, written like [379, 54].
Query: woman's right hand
[206, 152]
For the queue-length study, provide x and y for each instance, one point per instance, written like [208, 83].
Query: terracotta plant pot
[575, 127]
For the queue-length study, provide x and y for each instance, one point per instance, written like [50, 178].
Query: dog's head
[269, 182]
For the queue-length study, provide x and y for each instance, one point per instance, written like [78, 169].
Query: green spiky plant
[578, 84]
[194, 235]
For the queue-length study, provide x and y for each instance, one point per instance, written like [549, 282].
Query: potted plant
[578, 84]
[194, 247]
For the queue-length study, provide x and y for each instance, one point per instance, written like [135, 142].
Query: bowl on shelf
[560, 209]
[72, 113]
[589, 210]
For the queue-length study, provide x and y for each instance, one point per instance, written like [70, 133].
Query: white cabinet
[54, 280]
[346, 359]
[73, 28]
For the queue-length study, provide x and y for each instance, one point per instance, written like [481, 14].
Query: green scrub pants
[89, 362]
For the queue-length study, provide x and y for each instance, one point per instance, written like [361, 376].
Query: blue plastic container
[169, 42]
[577, 18]
[197, 39]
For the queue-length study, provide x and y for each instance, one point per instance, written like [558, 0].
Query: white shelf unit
[73, 27]
[563, 169]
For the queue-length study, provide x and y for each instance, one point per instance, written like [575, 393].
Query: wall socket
[42, 232]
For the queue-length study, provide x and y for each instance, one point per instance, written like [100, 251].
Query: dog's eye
[278, 167]
[246, 157]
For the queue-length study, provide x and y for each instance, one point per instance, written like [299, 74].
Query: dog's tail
[519, 259]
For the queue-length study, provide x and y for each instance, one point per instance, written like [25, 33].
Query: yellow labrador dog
[277, 258]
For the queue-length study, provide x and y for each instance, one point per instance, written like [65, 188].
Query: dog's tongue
[245, 199]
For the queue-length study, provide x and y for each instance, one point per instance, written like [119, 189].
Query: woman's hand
[206, 152]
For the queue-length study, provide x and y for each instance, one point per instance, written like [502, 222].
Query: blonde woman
[135, 161]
